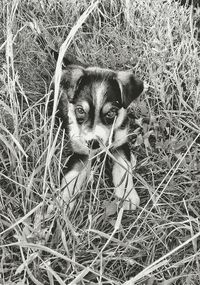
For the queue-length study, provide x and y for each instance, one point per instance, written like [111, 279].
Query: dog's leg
[74, 178]
[122, 177]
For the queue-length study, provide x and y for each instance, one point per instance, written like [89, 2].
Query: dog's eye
[112, 113]
[80, 113]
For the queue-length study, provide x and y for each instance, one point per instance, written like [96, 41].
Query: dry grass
[97, 243]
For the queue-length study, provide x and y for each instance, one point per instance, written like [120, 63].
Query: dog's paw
[132, 201]
[67, 201]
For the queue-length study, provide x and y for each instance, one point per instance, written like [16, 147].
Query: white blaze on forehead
[100, 90]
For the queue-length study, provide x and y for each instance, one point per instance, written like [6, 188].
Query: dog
[92, 106]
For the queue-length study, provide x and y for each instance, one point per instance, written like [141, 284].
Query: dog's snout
[93, 144]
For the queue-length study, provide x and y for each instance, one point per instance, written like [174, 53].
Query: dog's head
[94, 100]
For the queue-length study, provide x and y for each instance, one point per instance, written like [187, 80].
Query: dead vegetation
[99, 243]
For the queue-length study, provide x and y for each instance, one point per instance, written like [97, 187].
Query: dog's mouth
[80, 145]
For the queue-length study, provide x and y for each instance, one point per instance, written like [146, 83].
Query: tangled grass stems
[158, 243]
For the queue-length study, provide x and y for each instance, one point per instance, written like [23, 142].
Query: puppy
[93, 109]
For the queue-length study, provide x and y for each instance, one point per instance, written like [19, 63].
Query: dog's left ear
[131, 87]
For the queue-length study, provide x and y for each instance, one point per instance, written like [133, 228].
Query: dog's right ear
[70, 79]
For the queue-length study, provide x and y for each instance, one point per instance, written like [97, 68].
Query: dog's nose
[93, 144]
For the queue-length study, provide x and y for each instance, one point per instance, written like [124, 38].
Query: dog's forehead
[99, 85]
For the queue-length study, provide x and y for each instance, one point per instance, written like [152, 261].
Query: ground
[99, 243]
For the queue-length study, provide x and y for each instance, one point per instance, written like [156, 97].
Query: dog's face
[95, 102]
